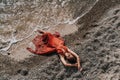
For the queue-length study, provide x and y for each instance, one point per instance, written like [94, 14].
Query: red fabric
[48, 43]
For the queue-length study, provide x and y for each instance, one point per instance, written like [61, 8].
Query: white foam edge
[13, 40]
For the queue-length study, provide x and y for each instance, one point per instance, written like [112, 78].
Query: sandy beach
[91, 28]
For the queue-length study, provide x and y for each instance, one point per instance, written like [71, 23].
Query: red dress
[48, 43]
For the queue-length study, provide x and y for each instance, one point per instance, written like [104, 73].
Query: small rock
[116, 11]
[98, 34]
[77, 43]
[8, 53]
[105, 67]
[116, 55]
[23, 72]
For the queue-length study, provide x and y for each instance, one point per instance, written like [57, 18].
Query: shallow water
[19, 19]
